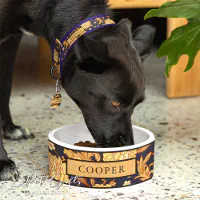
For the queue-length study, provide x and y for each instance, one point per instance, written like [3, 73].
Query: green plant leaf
[183, 40]
[178, 9]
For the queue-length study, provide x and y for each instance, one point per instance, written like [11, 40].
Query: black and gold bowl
[99, 167]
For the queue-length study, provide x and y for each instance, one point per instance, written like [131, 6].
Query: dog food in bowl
[91, 167]
[85, 144]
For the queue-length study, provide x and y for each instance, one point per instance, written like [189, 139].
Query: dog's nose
[119, 140]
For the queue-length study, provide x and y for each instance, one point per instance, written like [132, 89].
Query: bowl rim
[52, 138]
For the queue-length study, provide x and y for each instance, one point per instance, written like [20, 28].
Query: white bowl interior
[68, 135]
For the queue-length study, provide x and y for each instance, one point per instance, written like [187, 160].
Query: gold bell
[56, 100]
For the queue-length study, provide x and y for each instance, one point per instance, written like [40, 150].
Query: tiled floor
[176, 124]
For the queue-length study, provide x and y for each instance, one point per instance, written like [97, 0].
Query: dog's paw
[17, 133]
[8, 171]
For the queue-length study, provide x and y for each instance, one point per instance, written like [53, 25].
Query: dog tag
[56, 100]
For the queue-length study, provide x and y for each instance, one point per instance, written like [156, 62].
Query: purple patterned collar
[60, 49]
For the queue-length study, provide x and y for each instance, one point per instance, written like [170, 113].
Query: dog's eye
[116, 104]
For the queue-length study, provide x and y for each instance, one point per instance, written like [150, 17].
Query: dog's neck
[61, 17]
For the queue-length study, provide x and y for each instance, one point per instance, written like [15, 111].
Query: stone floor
[175, 122]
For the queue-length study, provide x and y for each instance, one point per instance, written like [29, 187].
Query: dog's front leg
[8, 52]
[8, 170]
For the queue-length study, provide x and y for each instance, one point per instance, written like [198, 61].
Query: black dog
[103, 73]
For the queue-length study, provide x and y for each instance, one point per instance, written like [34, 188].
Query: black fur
[103, 66]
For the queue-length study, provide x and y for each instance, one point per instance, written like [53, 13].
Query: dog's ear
[92, 47]
[98, 49]
[124, 27]
[102, 49]
[143, 37]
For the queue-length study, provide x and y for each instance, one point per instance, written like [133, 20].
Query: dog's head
[107, 82]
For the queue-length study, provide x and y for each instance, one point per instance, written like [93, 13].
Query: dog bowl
[99, 167]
